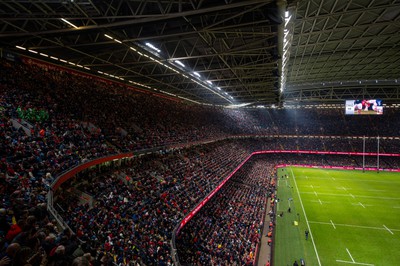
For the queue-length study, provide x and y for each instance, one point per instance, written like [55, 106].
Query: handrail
[79, 168]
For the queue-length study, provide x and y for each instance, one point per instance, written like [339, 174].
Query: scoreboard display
[364, 107]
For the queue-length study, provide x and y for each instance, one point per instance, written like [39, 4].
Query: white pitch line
[358, 180]
[362, 205]
[333, 225]
[344, 188]
[311, 186]
[355, 226]
[315, 192]
[333, 178]
[351, 257]
[388, 229]
[359, 196]
[358, 204]
[357, 263]
[305, 216]
[352, 195]
[320, 202]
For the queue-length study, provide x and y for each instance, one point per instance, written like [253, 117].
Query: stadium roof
[255, 52]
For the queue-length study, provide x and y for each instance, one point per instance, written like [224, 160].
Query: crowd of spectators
[133, 120]
[136, 207]
[129, 119]
[228, 228]
[34, 149]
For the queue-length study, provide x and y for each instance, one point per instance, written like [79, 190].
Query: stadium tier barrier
[117, 158]
[72, 172]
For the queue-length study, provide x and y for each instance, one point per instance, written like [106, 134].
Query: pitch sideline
[305, 216]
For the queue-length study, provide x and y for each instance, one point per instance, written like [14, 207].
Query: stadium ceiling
[256, 52]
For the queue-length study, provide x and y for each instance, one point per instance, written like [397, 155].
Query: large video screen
[364, 107]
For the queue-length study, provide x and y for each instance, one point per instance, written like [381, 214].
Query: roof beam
[148, 19]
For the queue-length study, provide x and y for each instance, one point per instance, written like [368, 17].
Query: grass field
[353, 217]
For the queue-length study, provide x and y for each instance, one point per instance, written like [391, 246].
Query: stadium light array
[213, 90]
[52, 57]
[153, 47]
[179, 63]
[287, 42]
[196, 74]
[69, 23]
[108, 36]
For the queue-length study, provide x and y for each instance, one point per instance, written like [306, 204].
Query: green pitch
[353, 218]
